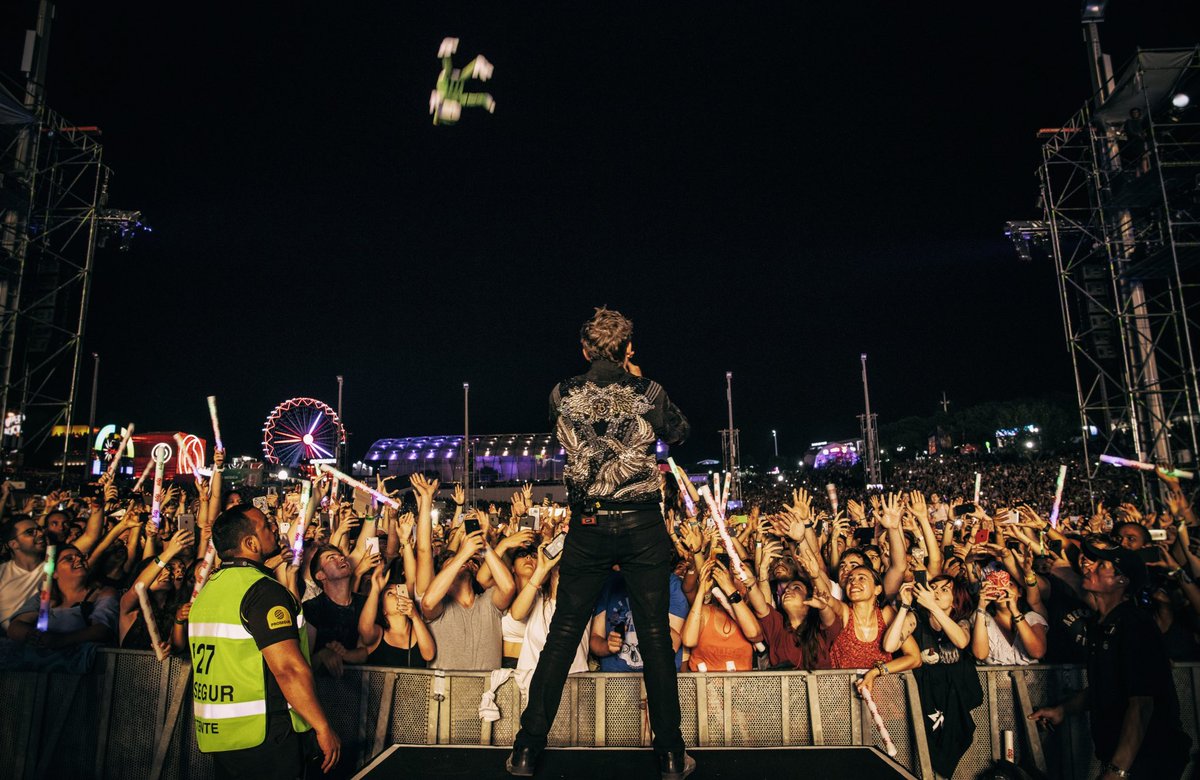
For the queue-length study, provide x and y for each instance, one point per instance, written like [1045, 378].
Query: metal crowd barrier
[131, 716]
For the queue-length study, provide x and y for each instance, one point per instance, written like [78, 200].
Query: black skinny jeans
[640, 544]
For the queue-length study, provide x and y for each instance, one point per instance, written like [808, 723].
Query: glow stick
[716, 487]
[151, 626]
[298, 536]
[687, 482]
[734, 558]
[352, 482]
[212, 412]
[888, 745]
[1137, 464]
[1058, 491]
[204, 568]
[145, 473]
[725, 492]
[43, 621]
[112, 467]
[160, 455]
[831, 491]
[680, 479]
[978, 481]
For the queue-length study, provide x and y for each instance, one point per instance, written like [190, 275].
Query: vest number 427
[204, 655]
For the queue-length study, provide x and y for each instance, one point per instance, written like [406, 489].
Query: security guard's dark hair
[230, 528]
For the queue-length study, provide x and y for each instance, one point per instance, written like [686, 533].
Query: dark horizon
[769, 192]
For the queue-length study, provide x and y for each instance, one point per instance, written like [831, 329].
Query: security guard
[254, 700]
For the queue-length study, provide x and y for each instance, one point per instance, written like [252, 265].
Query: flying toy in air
[447, 101]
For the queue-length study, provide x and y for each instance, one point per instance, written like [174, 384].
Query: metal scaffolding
[55, 185]
[1121, 200]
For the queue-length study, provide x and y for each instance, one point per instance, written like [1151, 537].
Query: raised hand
[892, 510]
[459, 495]
[422, 487]
[182, 540]
[916, 502]
[691, 538]
[924, 596]
[720, 576]
[789, 526]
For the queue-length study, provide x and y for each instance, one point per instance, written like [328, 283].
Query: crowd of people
[920, 579]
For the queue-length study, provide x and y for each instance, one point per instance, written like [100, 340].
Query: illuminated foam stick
[684, 482]
[1058, 491]
[204, 568]
[978, 483]
[43, 621]
[352, 482]
[725, 492]
[151, 626]
[298, 535]
[688, 503]
[145, 473]
[112, 467]
[719, 518]
[160, 455]
[716, 489]
[831, 491]
[1137, 464]
[888, 745]
[212, 412]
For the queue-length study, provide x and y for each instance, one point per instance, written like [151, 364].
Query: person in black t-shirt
[332, 617]
[1131, 697]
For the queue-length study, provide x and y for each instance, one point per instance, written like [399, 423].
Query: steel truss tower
[54, 187]
[1121, 201]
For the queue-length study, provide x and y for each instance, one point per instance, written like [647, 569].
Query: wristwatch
[734, 598]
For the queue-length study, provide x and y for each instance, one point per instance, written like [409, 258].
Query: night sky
[769, 189]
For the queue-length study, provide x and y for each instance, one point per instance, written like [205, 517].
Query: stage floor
[414, 762]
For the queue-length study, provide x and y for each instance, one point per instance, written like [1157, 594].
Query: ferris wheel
[300, 430]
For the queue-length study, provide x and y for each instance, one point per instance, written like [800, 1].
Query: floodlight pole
[466, 445]
[87, 465]
[338, 451]
[870, 431]
[729, 439]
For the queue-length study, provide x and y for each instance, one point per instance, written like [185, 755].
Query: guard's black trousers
[639, 542]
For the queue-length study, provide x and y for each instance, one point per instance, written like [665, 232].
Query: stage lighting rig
[1093, 11]
[120, 224]
[1026, 234]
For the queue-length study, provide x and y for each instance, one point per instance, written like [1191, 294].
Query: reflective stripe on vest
[228, 671]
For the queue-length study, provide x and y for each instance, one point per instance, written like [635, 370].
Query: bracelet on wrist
[1116, 770]
[160, 562]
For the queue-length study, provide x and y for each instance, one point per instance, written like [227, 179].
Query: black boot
[676, 766]
[522, 762]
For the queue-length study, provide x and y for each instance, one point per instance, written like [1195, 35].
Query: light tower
[730, 446]
[870, 433]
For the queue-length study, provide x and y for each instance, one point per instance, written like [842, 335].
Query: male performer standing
[608, 421]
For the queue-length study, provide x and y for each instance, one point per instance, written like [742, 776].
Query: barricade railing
[132, 715]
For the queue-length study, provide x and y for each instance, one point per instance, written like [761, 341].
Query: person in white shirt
[21, 575]
[1015, 638]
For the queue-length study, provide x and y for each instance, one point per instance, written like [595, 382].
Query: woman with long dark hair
[801, 628]
[158, 576]
[860, 644]
[390, 626]
[940, 623]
